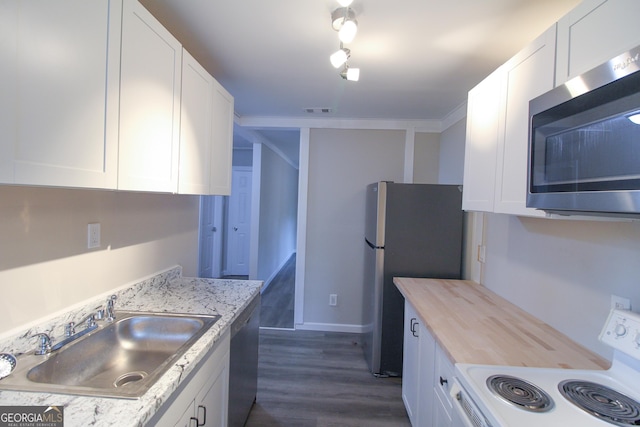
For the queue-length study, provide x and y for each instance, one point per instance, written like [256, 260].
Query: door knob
[235, 228]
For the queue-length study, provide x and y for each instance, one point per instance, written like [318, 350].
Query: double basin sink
[120, 359]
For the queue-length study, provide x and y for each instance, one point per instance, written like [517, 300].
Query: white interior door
[239, 223]
[211, 219]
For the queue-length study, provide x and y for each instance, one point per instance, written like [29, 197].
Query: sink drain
[129, 377]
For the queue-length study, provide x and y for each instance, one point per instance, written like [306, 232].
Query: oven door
[465, 407]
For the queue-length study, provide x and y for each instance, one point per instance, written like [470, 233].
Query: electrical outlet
[93, 235]
[333, 300]
[620, 303]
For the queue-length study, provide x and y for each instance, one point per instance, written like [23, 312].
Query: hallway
[278, 299]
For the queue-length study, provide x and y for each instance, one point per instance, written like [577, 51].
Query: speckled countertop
[165, 292]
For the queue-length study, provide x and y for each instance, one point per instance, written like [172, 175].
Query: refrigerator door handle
[371, 245]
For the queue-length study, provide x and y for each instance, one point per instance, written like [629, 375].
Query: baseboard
[331, 327]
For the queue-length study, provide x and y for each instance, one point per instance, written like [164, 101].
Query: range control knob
[636, 340]
[620, 330]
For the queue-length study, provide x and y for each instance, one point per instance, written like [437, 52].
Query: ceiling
[418, 58]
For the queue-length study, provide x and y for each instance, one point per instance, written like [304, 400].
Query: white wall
[451, 168]
[341, 164]
[278, 213]
[45, 265]
[426, 160]
[564, 271]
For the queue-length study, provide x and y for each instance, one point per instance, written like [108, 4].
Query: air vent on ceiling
[318, 110]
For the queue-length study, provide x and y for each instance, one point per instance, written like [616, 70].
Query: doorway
[238, 230]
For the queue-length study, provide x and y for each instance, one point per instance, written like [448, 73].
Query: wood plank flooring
[277, 303]
[320, 379]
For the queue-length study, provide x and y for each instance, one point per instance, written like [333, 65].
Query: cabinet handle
[443, 381]
[193, 419]
[414, 323]
[204, 415]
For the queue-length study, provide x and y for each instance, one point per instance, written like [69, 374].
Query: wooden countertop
[474, 325]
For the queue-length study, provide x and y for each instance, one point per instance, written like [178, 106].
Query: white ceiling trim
[335, 123]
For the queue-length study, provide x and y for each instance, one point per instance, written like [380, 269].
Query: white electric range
[509, 396]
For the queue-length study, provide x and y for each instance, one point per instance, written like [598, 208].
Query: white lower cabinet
[204, 398]
[443, 378]
[427, 374]
[411, 363]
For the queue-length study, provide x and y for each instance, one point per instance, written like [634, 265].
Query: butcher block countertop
[474, 325]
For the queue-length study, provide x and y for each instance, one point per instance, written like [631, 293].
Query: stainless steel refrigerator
[411, 230]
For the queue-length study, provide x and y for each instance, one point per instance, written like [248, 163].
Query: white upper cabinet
[60, 82]
[222, 146]
[527, 75]
[594, 32]
[151, 68]
[483, 109]
[206, 132]
[195, 127]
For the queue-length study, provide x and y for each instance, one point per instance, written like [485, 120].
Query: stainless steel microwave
[584, 143]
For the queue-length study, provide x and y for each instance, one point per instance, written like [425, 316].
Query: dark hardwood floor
[320, 379]
[277, 303]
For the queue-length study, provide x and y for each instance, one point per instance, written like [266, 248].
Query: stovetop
[561, 412]
[553, 397]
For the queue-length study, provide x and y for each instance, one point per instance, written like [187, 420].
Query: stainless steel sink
[120, 359]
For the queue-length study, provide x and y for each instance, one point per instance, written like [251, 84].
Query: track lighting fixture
[351, 74]
[343, 20]
[340, 56]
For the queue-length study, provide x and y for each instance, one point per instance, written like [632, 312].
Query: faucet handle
[91, 321]
[110, 315]
[44, 347]
[69, 329]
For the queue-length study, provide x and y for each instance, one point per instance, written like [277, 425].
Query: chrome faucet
[70, 328]
[44, 346]
[110, 314]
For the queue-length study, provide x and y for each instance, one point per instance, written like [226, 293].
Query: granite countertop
[474, 325]
[165, 292]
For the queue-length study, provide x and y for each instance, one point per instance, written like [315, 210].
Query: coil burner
[602, 402]
[520, 393]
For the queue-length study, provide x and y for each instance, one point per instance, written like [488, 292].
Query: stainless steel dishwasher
[243, 366]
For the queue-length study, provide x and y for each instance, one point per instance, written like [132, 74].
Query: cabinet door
[594, 32]
[196, 115]
[527, 75]
[411, 362]
[222, 148]
[63, 97]
[205, 394]
[212, 401]
[443, 377]
[483, 108]
[186, 420]
[151, 66]
[426, 396]
[8, 78]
